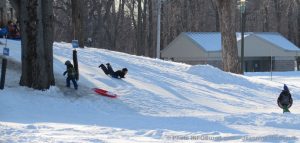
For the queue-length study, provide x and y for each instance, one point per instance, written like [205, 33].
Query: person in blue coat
[3, 32]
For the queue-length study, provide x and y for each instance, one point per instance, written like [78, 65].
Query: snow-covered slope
[159, 101]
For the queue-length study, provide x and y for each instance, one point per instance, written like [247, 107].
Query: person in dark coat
[109, 71]
[285, 100]
[71, 72]
[11, 31]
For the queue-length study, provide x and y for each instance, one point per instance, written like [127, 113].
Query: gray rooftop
[211, 41]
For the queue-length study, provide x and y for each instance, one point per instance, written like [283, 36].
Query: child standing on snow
[71, 74]
[285, 99]
[109, 71]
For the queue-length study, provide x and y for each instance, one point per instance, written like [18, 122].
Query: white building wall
[256, 47]
[182, 47]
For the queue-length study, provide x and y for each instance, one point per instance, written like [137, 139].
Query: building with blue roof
[264, 51]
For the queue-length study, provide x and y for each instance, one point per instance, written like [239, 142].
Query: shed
[263, 51]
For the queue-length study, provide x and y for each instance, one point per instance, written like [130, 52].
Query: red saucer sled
[104, 93]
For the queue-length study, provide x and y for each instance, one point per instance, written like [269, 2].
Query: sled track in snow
[71, 92]
[14, 68]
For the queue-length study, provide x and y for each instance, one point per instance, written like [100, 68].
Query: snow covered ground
[159, 101]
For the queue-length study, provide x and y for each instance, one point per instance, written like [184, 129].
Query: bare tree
[78, 21]
[150, 42]
[3, 12]
[215, 9]
[144, 28]
[226, 9]
[298, 20]
[139, 28]
[63, 20]
[37, 40]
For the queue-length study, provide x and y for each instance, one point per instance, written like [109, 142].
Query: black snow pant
[107, 70]
[69, 79]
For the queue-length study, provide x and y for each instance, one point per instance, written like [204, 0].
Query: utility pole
[158, 29]
[242, 7]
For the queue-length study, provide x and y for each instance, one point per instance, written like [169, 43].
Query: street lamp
[242, 8]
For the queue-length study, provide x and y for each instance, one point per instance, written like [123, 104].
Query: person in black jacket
[285, 100]
[109, 71]
[71, 74]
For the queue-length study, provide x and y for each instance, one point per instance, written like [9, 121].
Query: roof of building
[211, 41]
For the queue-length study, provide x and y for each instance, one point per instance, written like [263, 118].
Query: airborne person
[109, 71]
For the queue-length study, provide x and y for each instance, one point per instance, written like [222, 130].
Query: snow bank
[159, 101]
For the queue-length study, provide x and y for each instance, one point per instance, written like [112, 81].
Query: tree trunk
[134, 23]
[278, 13]
[16, 6]
[185, 16]
[226, 9]
[77, 20]
[111, 27]
[37, 41]
[139, 29]
[120, 25]
[266, 20]
[298, 22]
[290, 24]
[215, 9]
[144, 30]
[3, 14]
[150, 29]
[116, 24]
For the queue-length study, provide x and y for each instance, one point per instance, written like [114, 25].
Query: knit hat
[67, 62]
[285, 88]
[125, 69]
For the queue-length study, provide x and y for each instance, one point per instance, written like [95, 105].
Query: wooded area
[130, 25]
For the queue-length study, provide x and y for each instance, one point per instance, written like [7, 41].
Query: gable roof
[211, 41]
[278, 40]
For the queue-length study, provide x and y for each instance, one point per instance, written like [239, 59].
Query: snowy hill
[159, 101]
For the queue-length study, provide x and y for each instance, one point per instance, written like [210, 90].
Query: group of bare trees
[130, 25]
[281, 16]
[122, 25]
